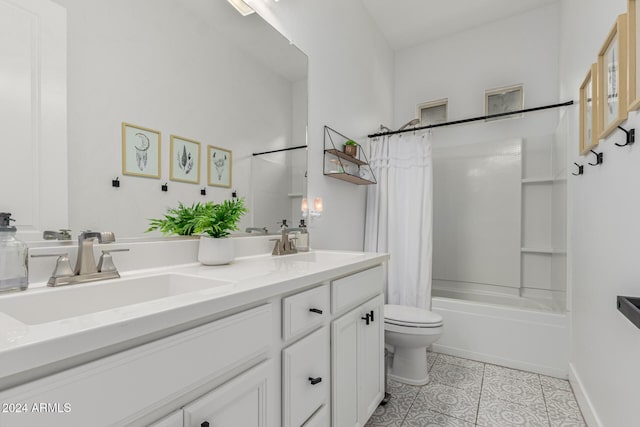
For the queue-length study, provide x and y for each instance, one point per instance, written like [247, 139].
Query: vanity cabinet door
[371, 359]
[357, 360]
[244, 401]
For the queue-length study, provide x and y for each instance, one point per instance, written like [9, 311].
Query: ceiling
[406, 23]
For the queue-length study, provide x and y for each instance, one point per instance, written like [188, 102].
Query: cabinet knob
[315, 310]
[205, 424]
[366, 318]
[315, 381]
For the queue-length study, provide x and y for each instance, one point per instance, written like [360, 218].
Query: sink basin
[36, 307]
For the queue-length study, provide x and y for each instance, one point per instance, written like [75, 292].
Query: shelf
[537, 180]
[350, 178]
[342, 166]
[294, 195]
[346, 157]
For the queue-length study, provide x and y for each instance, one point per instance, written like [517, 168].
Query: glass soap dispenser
[302, 244]
[13, 257]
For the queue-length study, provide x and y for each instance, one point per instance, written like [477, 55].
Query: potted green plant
[214, 223]
[351, 148]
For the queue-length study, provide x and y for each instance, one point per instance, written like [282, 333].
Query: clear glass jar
[13, 259]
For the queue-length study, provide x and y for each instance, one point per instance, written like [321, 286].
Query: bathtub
[505, 330]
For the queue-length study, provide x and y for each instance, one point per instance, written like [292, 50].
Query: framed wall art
[504, 100]
[633, 30]
[185, 160]
[588, 111]
[219, 162]
[140, 151]
[612, 79]
[433, 112]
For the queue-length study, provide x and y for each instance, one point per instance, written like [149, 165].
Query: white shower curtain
[400, 215]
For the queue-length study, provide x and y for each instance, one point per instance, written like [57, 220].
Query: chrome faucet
[86, 269]
[258, 229]
[284, 245]
[86, 263]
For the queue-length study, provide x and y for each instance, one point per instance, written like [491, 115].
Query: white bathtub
[505, 330]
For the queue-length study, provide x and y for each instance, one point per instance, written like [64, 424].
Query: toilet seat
[412, 317]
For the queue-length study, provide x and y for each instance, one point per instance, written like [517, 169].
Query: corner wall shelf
[343, 166]
[537, 180]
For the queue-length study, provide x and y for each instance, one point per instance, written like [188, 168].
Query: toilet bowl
[409, 331]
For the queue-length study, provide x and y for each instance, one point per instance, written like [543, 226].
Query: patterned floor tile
[426, 418]
[431, 359]
[501, 371]
[514, 391]
[551, 383]
[447, 400]
[452, 360]
[498, 413]
[393, 413]
[456, 376]
[563, 409]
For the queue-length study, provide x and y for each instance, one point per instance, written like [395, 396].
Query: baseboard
[509, 363]
[588, 411]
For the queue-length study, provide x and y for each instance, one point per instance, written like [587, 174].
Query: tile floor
[466, 393]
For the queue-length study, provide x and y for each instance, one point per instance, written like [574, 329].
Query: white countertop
[28, 351]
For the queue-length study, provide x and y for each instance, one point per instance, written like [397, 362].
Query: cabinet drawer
[244, 401]
[319, 419]
[350, 291]
[121, 388]
[305, 381]
[301, 312]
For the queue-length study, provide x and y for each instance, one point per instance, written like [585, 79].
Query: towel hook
[580, 169]
[631, 136]
[599, 158]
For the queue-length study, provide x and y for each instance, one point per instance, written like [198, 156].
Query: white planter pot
[215, 251]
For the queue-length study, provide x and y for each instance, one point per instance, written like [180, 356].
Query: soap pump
[13, 257]
[303, 237]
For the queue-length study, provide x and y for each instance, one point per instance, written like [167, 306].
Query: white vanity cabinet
[357, 349]
[122, 388]
[303, 356]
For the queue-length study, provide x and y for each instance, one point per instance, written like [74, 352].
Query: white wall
[604, 244]
[350, 89]
[462, 66]
[160, 64]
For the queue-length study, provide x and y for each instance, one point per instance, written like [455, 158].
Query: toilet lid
[411, 316]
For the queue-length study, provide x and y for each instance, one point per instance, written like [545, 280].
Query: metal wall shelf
[339, 165]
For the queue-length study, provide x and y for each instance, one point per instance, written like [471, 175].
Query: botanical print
[185, 160]
[140, 151]
[219, 166]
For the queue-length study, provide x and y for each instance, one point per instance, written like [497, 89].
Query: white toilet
[410, 330]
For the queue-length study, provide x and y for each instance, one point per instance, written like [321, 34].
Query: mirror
[194, 69]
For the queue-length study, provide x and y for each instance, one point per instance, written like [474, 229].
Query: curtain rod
[474, 119]
[281, 149]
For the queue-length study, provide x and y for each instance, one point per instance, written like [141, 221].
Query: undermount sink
[37, 307]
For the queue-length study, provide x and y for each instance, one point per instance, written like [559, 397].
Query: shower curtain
[399, 215]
